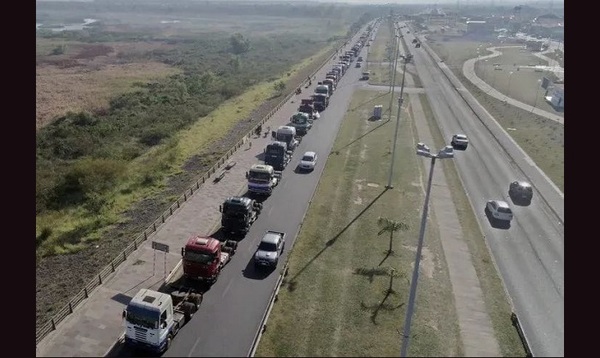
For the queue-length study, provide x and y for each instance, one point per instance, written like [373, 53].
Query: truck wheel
[169, 340]
[196, 299]
[188, 310]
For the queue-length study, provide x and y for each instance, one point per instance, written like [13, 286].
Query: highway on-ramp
[529, 254]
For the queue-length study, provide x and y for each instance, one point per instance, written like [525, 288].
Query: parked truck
[288, 135]
[321, 101]
[306, 106]
[330, 82]
[238, 213]
[302, 122]
[204, 258]
[323, 89]
[262, 179]
[153, 318]
[277, 155]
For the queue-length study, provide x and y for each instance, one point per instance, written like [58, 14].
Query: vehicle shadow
[495, 223]
[258, 198]
[520, 202]
[256, 273]
[221, 235]
[291, 282]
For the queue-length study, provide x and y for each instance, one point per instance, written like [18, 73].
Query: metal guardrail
[50, 326]
[517, 324]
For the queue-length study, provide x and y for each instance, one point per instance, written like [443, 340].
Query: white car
[499, 210]
[308, 161]
[459, 141]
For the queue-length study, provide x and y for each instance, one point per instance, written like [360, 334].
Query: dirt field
[86, 76]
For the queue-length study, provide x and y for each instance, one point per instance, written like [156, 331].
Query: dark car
[520, 191]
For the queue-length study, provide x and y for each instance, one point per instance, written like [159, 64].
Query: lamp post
[422, 150]
[537, 92]
[400, 99]
[508, 91]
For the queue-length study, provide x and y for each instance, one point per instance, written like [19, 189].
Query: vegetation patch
[348, 281]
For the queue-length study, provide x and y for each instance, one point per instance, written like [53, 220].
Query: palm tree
[390, 226]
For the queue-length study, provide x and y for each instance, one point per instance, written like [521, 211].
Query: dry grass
[86, 77]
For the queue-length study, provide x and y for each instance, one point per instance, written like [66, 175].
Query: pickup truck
[270, 249]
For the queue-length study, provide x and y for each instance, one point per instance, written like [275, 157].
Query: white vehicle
[308, 161]
[460, 142]
[270, 248]
[499, 210]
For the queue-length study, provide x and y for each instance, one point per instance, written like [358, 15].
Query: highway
[529, 254]
[232, 310]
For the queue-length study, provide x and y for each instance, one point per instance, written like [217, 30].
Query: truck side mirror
[183, 251]
[273, 134]
[247, 175]
[220, 208]
[124, 313]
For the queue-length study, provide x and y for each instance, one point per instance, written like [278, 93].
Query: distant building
[479, 27]
[556, 95]
[549, 20]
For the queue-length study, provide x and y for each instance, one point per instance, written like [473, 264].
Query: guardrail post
[100, 279]
[163, 218]
[85, 292]
[135, 244]
[184, 196]
[177, 203]
[70, 308]
[124, 256]
[154, 226]
[146, 235]
[171, 210]
[112, 266]
[197, 185]
[191, 191]
[53, 324]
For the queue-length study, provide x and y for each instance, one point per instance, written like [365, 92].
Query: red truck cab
[204, 257]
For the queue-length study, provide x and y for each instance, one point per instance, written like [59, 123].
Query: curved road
[232, 310]
[529, 254]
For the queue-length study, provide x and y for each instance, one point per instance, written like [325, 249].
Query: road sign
[160, 247]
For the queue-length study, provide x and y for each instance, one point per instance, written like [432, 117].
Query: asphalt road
[232, 310]
[530, 253]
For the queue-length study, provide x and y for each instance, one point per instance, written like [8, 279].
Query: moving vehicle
[331, 83]
[153, 318]
[204, 257]
[323, 89]
[238, 213]
[499, 210]
[358, 65]
[270, 249]
[520, 191]
[277, 155]
[308, 161]
[262, 179]
[287, 134]
[365, 76]
[459, 142]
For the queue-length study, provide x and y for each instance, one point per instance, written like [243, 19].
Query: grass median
[345, 294]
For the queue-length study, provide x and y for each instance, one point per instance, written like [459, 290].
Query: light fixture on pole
[400, 100]
[424, 151]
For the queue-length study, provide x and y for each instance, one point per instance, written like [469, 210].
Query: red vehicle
[205, 257]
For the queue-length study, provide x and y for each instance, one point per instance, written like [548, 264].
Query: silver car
[499, 210]
[270, 248]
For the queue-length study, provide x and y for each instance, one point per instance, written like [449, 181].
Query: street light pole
[415, 275]
[400, 100]
[393, 77]
[537, 93]
[422, 150]
[508, 91]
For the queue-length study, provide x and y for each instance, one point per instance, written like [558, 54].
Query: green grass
[378, 48]
[557, 55]
[380, 74]
[492, 287]
[336, 292]
[542, 139]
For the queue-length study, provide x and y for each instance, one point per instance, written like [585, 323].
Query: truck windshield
[141, 317]
[199, 257]
[259, 176]
[284, 137]
[299, 120]
[234, 209]
[267, 246]
[322, 90]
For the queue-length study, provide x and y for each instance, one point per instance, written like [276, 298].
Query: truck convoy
[277, 155]
[238, 213]
[262, 179]
[153, 318]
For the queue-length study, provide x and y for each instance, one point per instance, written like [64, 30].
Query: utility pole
[400, 100]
